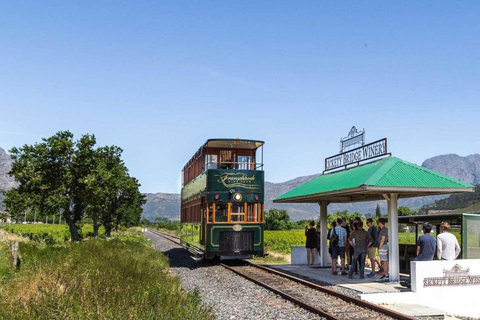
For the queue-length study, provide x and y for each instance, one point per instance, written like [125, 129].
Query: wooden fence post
[16, 259]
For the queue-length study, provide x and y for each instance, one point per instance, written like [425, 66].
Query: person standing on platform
[372, 249]
[348, 251]
[330, 245]
[447, 244]
[339, 249]
[317, 241]
[383, 247]
[360, 240]
[425, 249]
[311, 235]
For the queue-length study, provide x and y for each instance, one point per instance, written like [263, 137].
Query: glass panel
[473, 238]
[250, 212]
[221, 212]
[238, 212]
[244, 162]
[211, 161]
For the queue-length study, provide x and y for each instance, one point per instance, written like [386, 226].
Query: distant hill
[466, 169]
[464, 202]
[167, 205]
[6, 181]
[162, 205]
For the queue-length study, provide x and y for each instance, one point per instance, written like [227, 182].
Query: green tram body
[222, 209]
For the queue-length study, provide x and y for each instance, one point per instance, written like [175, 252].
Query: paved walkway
[367, 285]
[390, 294]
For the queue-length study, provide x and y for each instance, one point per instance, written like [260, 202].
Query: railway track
[167, 236]
[318, 299]
[321, 300]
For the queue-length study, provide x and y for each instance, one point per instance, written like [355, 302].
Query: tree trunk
[74, 236]
[108, 230]
[95, 225]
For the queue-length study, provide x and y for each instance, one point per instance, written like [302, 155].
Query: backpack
[334, 238]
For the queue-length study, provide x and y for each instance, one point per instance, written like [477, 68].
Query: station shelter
[387, 179]
[465, 226]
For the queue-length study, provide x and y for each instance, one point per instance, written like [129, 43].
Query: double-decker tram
[222, 200]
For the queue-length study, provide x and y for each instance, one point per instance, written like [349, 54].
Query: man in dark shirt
[360, 240]
[426, 247]
[426, 244]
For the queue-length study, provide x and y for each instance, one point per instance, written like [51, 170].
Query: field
[117, 278]
[282, 241]
[50, 233]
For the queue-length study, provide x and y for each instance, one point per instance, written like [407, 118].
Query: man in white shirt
[447, 244]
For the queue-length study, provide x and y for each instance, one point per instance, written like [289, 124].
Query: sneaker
[383, 277]
[371, 275]
[334, 272]
[350, 277]
[362, 277]
[344, 273]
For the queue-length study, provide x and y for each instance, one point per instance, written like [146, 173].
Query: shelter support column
[323, 233]
[393, 250]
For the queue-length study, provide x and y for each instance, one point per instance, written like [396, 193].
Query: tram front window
[221, 212]
[245, 162]
[237, 212]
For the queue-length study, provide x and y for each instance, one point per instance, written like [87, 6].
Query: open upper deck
[231, 154]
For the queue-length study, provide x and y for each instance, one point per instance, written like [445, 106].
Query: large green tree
[74, 178]
[276, 219]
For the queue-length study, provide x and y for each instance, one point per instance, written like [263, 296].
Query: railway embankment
[225, 294]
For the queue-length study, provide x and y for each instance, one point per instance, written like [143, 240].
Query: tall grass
[50, 233]
[121, 278]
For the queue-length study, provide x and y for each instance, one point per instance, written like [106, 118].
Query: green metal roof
[370, 181]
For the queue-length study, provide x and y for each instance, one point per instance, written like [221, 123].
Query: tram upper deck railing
[233, 165]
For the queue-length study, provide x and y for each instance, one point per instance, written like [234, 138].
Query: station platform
[390, 294]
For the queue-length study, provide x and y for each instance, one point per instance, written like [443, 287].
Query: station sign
[356, 155]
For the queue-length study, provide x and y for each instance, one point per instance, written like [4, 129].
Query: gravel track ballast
[227, 295]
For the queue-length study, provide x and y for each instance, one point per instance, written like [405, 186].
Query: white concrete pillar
[323, 233]
[393, 254]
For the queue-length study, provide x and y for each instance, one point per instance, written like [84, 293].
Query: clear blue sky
[158, 78]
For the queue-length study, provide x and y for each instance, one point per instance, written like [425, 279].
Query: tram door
[203, 224]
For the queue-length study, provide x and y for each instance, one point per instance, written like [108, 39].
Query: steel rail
[347, 298]
[284, 295]
[167, 236]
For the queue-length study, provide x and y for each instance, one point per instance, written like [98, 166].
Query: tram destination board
[368, 151]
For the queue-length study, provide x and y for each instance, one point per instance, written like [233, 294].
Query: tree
[378, 212]
[276, 219]
[405, 211]
[74, 178]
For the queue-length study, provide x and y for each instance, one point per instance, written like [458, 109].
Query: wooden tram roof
[233, 144]
[220, 143]
[370, 181]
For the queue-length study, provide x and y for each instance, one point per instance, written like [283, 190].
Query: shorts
[383, 253]
[338, 251]
[371, 252]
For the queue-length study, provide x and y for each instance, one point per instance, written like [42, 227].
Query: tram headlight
[237, 197]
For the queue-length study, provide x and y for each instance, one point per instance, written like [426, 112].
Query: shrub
[119, 278]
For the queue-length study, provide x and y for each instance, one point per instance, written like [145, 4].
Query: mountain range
[466, 169]
[167, 205]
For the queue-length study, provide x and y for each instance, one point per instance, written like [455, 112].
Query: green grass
[282, 241]
[50, 233]
[119, 278]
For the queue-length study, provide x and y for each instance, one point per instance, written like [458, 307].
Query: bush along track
[119, 278]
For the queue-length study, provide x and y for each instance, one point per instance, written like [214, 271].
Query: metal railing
[233, 165]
